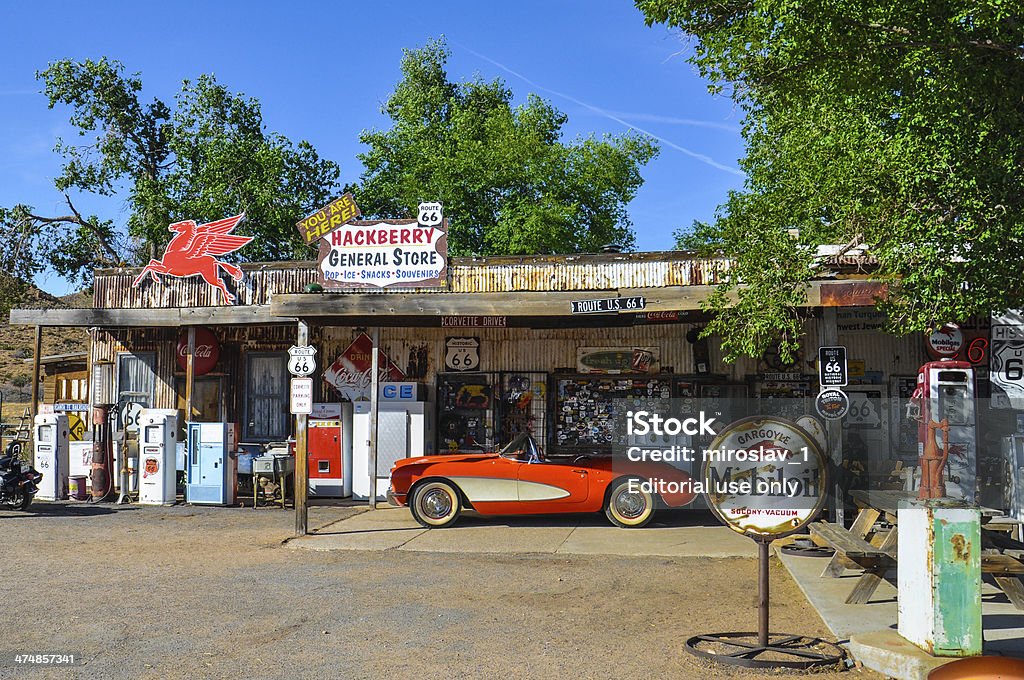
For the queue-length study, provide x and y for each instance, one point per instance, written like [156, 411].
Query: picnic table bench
[864, 547]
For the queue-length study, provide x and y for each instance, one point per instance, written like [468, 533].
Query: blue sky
[322, 70]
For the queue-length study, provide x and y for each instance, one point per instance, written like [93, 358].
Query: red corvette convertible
[518, 480]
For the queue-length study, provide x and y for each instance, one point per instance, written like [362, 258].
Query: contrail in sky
[608, 114]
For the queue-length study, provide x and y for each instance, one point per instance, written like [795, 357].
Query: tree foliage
[205, 158]
[507, 182]
[895, 125]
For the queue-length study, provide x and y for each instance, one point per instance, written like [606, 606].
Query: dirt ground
[188, 592]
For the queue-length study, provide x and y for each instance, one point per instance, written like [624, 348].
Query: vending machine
[51, 455]
[405, 429]
[325, 444]
[212, 476]
[946, 392]
[158, 441]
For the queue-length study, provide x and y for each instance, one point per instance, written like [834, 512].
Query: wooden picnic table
[865, 546]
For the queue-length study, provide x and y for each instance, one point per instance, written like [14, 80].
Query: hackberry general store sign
[386, 253]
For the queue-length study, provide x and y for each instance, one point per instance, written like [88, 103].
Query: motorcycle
[19, 481]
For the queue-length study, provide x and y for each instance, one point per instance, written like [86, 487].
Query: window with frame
[266, 396]
[136, 374]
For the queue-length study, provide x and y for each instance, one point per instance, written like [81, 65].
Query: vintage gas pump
[939, 551]
[947, 439]
[51, 455]
[158, 441]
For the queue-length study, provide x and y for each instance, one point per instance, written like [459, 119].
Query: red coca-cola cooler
[325, 441]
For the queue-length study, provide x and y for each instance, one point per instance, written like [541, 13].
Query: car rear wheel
[436, 504]
[628, 505]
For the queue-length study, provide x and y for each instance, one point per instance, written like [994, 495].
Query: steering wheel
[581, 458]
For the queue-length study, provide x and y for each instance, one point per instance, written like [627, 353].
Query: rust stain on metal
[854, 293]
[961, 548]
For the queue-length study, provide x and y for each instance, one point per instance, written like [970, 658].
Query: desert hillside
[16, 344]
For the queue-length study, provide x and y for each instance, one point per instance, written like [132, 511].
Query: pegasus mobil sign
[383, 254]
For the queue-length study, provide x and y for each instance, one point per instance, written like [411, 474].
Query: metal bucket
[76, 488]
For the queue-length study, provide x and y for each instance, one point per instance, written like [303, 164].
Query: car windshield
[523, 447]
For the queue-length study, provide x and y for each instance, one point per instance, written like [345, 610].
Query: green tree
[507, 182]
[890, 125]
[206, 158]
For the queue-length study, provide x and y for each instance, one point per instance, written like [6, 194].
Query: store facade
[500, 346]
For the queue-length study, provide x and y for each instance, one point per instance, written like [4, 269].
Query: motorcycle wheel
[20, 500]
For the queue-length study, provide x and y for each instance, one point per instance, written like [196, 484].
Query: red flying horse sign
[192, 251]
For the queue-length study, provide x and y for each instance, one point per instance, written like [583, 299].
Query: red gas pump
[943, 402]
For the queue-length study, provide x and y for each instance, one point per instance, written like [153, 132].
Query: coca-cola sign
[351, 373]
[206, 354]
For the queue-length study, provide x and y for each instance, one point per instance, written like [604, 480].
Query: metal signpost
[301, 365]
[765, 478]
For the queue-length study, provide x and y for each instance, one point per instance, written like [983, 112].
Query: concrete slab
[394, 529]
[889, 653]
[377, 530]
[662, 541]
[828, 596]
[869, 630]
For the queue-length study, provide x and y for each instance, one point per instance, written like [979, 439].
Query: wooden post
[374, 386]
[35, 377]
[829, 337]
[301, 492]
[190, 374]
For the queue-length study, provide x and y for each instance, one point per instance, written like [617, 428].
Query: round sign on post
[832, 404]
[765, 477]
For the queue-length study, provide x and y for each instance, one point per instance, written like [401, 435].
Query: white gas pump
[51, 455]
[158, 440]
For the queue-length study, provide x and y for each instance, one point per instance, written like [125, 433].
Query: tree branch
[76, 218]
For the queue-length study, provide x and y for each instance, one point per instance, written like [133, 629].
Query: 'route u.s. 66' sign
[300, 360]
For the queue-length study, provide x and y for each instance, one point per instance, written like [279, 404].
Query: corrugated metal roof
[113, 288]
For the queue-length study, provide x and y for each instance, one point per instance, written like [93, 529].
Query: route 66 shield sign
[430, 214]
[462, 354]
[300, 360]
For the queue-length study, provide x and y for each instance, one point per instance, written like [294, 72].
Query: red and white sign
[351, 374]
[192, 251]
[383, 254]
[945, 342]
[206, 354]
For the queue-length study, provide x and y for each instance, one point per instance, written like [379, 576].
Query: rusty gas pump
[943, 401]
[932, 462]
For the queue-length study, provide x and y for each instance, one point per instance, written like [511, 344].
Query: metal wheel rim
[796, 647]
[436, 504]
[629, 505]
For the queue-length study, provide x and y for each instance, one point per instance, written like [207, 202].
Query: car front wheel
[436, 504]
[628, 505]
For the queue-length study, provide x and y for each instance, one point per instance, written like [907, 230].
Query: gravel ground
[187, 592]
